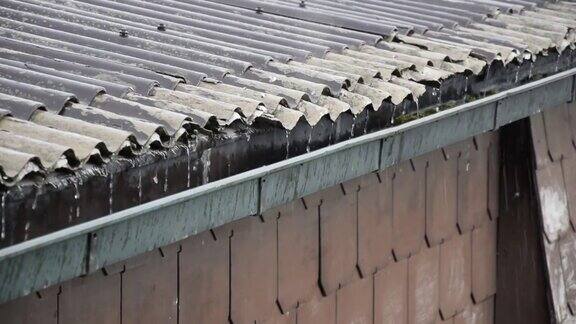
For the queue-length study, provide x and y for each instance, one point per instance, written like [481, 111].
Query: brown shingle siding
[298, 254]
[482, 313]
[204, 278]
[318, 310]
[455, 275]
[409, 212]
[391, 293]
[39, 307]
[354, 302]
[374, 223]
[92, 299]
[472, 185]
[253, 274]
[424, 286]
[150, 288]
[338, 238]
[441, 195]
[484, 261]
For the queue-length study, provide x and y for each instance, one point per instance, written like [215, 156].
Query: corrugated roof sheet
[84, 81]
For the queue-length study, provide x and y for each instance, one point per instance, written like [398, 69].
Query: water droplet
[35, 201]
[3, 210]
[287, 143]
[188, 166]
[111, 193]
[76, 197]
[205, 160]
[166, 180]
[26, 229]
[139, 185]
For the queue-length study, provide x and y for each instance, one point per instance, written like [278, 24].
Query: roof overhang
[85, 248]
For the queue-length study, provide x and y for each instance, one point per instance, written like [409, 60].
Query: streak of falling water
[530, 73]
[287, 143]
[188, 166]
[466, 85]
[139, 185]
[308, 142]
[35, 201]
[353, 125]
[205, 159]
[111, 192]
[366, 123]
[557, 63]
[517, 73]
[166, 179]
[76, 197]
[26, 229]
[3, 210]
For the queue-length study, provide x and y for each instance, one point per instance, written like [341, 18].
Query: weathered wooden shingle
[253, 272]
[374, 223]
[409, 212]
[298, 254]
[204, 277]
[455, 275]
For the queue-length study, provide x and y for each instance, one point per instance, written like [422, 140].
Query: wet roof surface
[84, 82]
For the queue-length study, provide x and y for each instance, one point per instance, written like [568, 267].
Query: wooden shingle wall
[412, 244]
[553, 138]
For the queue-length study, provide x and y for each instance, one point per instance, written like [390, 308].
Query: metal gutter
[85, 248]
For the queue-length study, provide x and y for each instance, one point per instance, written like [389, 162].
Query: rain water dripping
[3, 210]
[530, 73]
[26, 229]
[111, 192]
[287, 143]
[188, 166]
[353, 125]
[308, 142]
[557, 63]
[166, 179]
[366, 123]
[205, 160]
[517, 74]
[35, 200]
[139, 185]
[466, 85]
[76, 197]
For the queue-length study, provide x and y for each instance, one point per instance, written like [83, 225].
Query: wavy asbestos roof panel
[84, 81]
